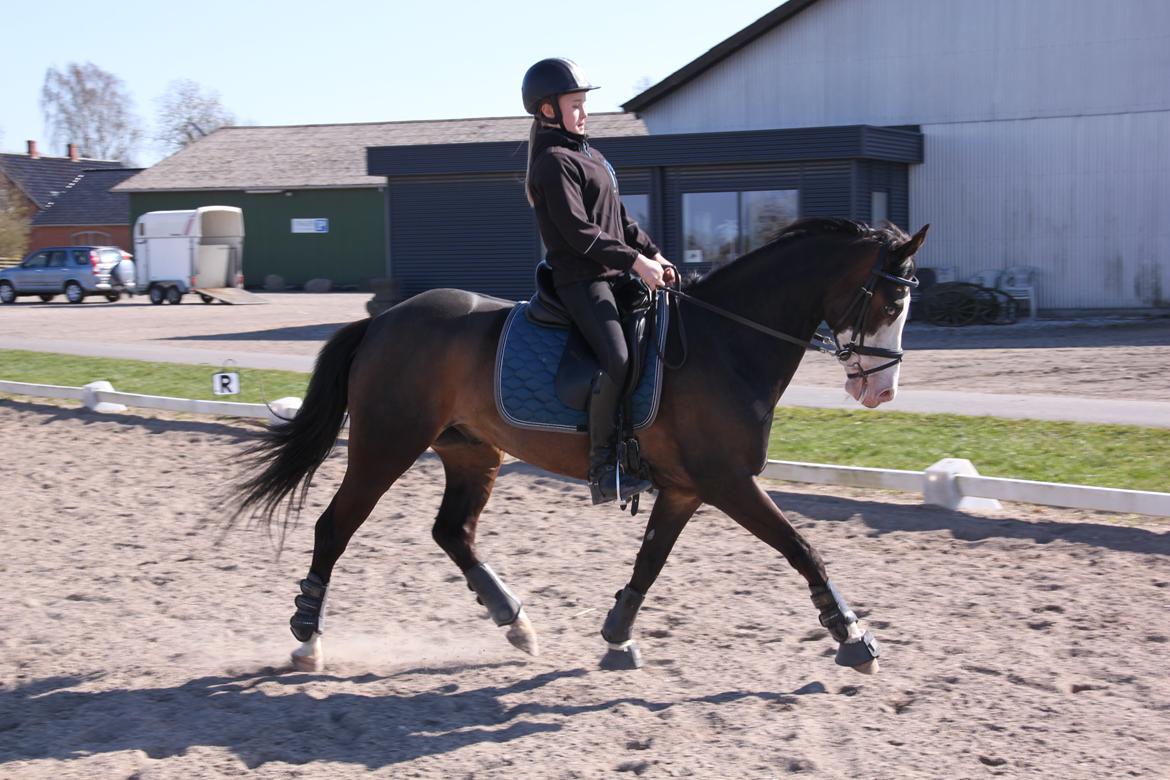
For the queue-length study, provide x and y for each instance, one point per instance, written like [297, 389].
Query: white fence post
[90, 398]
[940, 487]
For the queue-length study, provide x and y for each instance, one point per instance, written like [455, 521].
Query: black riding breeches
[595, 313]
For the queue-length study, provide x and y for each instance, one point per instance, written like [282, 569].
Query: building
[87, 212]
[31, 182]
[310, 207]
[1045, 125]
[458, 215]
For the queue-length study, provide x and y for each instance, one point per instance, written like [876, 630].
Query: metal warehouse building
[1045, 125]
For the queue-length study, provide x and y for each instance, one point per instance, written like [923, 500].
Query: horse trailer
[195, 250]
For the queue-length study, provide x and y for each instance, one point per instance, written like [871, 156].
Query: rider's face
[573, 114]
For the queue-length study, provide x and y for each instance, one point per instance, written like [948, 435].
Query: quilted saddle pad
[526, 368]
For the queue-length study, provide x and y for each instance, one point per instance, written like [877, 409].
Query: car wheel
[74, 293]
[46, 298]
[113, 297]
[7, 293]
[174, 296]
[157, 294]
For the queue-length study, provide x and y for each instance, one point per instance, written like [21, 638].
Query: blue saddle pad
[526, 368]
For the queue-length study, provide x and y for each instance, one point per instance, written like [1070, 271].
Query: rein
[820, 342]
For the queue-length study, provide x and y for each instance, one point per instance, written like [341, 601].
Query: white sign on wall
[311, 225]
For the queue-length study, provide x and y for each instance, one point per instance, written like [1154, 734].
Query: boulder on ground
[274, 283]
[318, 285]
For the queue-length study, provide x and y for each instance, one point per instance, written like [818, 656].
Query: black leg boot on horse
[606, 482]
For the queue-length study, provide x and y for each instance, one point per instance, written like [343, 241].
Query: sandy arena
[140, 641]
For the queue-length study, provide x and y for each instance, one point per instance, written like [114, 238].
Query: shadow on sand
[315, 332]
[43, 719]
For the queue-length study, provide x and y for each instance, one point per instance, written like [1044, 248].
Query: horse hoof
[309, 657]
[522, 635]
[869, 667]
[622, 658]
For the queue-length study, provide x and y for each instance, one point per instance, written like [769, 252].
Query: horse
[419, 376]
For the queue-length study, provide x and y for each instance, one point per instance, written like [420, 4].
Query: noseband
[820, 342]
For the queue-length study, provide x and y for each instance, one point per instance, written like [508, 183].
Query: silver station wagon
[75, 271]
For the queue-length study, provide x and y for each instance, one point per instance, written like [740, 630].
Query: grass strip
[147, 378]
[1115, 456]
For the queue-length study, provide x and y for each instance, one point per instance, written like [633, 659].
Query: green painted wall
[351, 253]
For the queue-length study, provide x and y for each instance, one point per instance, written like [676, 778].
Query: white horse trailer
[195, 250]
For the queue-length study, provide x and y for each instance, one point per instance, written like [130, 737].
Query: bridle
[830, 345]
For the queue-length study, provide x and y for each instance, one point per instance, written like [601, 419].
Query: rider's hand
[650, 271]
[669, 272]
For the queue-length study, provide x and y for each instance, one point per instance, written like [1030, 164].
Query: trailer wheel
[157, 294]
[173, 295]
[206, 298]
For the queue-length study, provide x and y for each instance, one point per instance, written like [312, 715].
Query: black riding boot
[603, 473]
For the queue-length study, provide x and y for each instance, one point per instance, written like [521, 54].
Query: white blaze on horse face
[877, 388]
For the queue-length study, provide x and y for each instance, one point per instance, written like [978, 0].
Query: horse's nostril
[887, 395]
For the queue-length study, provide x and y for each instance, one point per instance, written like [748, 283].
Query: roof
[717, 54]
[327, 156]
[43, 178]
[88, 200]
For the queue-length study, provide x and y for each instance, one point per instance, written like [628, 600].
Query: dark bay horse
[420, 376]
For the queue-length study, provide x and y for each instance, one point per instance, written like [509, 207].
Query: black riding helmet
[549, 78]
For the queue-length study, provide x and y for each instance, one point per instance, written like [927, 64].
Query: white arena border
[952, 482]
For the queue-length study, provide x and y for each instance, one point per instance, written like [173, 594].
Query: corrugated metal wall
[895, 62]
[1086, 199]
[476, 233]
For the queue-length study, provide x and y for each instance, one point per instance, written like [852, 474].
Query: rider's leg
[594, 311]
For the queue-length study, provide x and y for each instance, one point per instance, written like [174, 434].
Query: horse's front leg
[672, 510]
[747, 503]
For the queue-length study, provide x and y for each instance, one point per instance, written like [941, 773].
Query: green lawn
[1117, 456]
[1105, 455]
[137, 376]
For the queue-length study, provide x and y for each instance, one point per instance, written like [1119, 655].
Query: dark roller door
[474, 233]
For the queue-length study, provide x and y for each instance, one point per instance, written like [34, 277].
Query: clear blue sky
[298, 62]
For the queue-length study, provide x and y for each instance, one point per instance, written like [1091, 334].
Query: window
[638, 209]
[719, 226]
[36, 261]
[81, 257]
[879, 207]
[57, 259]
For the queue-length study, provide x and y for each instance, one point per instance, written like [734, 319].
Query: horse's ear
[911, 247]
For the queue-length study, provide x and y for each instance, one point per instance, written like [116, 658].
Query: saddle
[578, 365]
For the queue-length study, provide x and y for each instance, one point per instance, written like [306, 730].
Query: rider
[590, 241]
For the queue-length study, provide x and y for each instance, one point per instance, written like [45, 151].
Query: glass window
[720, 226]
[36, 261]
[765, 213]
[710, 226]
[879, 207]
[81, 256]
[57, 259]
[638, 209]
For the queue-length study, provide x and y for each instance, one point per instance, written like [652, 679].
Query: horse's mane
[810, 227]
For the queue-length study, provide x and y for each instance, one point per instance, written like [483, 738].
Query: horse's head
[867, 309]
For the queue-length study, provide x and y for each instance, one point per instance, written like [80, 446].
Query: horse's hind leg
[372, 469]
[747, 503]
[471, 467]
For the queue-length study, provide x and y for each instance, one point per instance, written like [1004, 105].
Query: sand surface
[139, 642]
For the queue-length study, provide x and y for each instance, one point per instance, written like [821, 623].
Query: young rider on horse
[591, 241]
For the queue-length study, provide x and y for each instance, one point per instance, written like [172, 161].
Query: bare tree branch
[90, 107]
[186, 113]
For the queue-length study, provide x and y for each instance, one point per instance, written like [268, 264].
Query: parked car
[75, 271]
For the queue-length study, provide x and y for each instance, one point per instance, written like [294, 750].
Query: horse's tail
[291, 451]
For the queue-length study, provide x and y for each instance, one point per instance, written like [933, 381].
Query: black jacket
[581, 218]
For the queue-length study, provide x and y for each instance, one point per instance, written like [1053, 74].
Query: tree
[186, 113]
[14, 227]
[90, 107]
